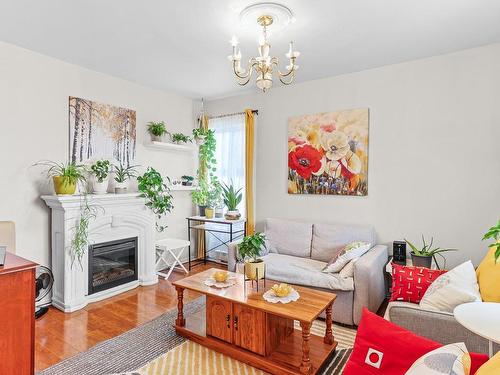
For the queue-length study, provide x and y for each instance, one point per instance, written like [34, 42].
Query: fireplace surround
[123, 217]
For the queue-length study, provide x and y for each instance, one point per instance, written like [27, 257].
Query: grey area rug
[139, 346]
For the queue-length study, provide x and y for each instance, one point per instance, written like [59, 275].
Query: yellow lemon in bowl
[220, 276]
[281, 290]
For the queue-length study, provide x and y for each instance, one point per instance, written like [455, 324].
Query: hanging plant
[156, 193]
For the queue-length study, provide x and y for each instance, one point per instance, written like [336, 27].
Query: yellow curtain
[249, 145]
[200, 238]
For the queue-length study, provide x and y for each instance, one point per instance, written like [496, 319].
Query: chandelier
[264, 65]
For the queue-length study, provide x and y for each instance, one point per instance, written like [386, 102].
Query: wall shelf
[165, 146]
[181, 188]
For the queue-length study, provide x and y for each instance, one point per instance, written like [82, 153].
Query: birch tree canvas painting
[101, 131]
[328, 153]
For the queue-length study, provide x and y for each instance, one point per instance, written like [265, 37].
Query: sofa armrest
[435, 325]
[369, 281]
[232, 255]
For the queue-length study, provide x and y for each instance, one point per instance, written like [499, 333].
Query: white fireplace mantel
[119, 216]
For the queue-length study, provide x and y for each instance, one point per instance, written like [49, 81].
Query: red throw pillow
[383, 348]
[410, 283]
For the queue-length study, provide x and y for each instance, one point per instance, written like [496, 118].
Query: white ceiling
[183, 45]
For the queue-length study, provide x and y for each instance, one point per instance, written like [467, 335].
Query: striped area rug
[192, 358]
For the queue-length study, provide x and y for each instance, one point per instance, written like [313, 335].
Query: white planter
[100, 187]
[200, 140]
[232, 215]
[157, 138]
[121, 187]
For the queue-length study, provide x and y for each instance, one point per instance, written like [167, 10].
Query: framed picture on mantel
[328, 153]
[101, 131]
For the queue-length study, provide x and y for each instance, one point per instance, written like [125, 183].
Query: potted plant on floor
[249, 250]
[200, 197]
[494, 234]
[232, 198]
[179, 138]
[100, 171]
[157, 130]
[423, 257]
[187, 180]
[122, 176]
[65, 176]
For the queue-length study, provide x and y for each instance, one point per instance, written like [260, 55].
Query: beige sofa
[298, 251]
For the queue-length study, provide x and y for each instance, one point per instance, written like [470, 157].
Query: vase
[100, 187]
[232, 215]
[201, 209]
[219, 212]
[421, 261]
[255, 270]
[209, 212]
[63, 186]
[121, 187]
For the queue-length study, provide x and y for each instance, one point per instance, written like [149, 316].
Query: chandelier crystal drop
[264, 65]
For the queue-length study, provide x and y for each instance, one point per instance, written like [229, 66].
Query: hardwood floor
[60, 335]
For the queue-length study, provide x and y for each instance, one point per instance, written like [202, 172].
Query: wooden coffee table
[238, 322]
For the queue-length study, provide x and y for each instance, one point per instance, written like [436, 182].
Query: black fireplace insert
[112, 263]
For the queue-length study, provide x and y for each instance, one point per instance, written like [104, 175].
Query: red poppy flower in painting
[305, 160]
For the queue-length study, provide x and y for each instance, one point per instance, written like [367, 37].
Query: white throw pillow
[348, 270]
[452, 288]
[350, 252]
[448, 359]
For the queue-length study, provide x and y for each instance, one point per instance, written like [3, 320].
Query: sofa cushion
[350, 252]
[289, 237]
[303, 271]
[449, 359]
[328, 239]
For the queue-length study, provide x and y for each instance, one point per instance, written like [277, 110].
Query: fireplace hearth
[111, 264]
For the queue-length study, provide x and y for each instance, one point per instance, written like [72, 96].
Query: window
[230, 152]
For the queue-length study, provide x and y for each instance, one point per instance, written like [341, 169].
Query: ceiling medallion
[266, 15]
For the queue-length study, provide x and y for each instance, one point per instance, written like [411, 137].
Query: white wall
[34, 91]
[434, 153]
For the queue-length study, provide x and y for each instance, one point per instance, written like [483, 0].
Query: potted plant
[100, 171]
[232, 198]
[156, 193]
[178, 138]
[423, 257]
[200, 197]
[214, 197]
[249, 250]
[199, 135]
[157, 130]
[494, 233]
[122, 175]
[65, 176]
[187, 180]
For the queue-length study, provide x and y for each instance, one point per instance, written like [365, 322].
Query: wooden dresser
[17, 312]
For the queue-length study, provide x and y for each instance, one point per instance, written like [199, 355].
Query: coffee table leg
[180, 321]
[305, 366]
[328, 339]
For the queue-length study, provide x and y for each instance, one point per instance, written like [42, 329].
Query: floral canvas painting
[101, 131]
[328, 153]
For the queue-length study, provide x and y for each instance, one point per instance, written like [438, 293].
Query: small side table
[482, 319]
[174, 248]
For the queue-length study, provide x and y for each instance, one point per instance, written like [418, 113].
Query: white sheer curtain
[230, 151]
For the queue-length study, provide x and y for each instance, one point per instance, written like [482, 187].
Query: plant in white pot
[100, 171]
[157, 130]
[199, 135]
[249, 250]
[122, 176]
[232, 198]
[423, 257]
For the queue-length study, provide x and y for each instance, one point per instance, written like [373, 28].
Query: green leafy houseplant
[157, 129]
[200, 134]
[156, 193]
[200, 196]
[494, 233]
[187, 180]
[232, 196]
[122, 173]
[249, 250]
[66, 176]
[423, 256]
[100, 169]
[207, 155]
[180, 138]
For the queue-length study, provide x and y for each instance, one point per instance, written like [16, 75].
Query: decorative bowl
[281, 290]
[220, 276]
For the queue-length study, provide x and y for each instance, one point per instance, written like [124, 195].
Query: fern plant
[494, 233]
[157, 128]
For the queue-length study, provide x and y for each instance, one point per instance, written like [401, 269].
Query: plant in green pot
[250, 249]
[423, 257]
[100, 171]
[122, 176]
[157, 130]
[232, 198]
[65, 176]
[494, 234]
